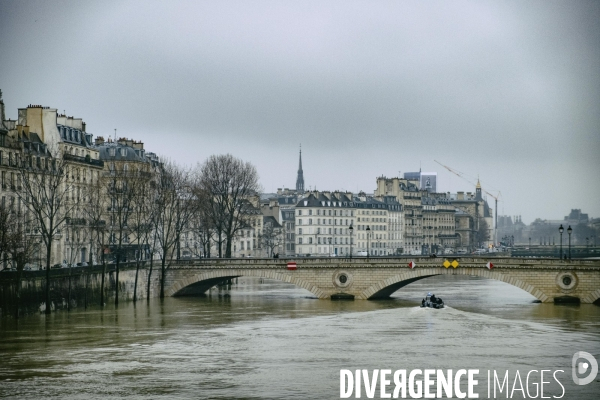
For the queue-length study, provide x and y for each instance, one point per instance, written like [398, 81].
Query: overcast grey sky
[508, 91]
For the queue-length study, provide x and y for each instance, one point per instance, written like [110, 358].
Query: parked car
[57, 266]
[82, 264]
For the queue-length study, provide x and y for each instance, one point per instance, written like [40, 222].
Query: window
[299, 240]
[299, 231]
[299, 212]
[123, 151]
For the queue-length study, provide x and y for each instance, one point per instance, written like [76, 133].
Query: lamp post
[529, 243]
[368, 239]
[561, 230]
[569, 230]
[351, 230]
[587, 241]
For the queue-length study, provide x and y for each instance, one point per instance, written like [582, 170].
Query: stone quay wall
[85, 282]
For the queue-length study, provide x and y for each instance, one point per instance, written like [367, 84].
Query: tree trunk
[102, 284]
[162, 277]
[85, 287]
[150, 276]
[18, 289]
[137, 271]
[228, 246]
[48, 250]
[117, 278]
[220, 245]
[69, 290]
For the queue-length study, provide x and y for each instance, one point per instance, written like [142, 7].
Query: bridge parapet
[384, 262]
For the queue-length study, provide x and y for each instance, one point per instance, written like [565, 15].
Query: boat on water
[431, 301]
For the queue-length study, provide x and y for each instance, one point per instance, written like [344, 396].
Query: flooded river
[269, 340]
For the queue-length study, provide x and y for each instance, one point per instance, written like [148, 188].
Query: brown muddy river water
[269, 340]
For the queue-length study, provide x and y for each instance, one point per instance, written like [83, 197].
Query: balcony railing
[85, 160]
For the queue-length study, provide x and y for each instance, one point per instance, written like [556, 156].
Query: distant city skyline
[507, 92]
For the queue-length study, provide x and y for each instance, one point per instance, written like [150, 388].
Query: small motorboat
[432, 301]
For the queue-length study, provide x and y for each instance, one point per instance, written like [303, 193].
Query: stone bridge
[549, 280]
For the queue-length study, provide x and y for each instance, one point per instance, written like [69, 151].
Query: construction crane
[496, 197]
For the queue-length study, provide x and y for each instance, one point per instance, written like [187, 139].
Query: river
[265, 339]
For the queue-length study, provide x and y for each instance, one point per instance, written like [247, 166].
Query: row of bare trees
[129, 211]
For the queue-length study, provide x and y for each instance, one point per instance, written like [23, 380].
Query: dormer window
[112, 152]
[123, 151]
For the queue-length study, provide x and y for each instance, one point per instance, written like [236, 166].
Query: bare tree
[17, 241]
[5, 222]
[122, 187]
[201, 224]
[95, 212]
[77, 237]
[141, 219]
[174, 199]
[230, 182]
[46, 190]
[482, 234]
[271, 237]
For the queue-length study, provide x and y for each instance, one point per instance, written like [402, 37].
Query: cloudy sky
[507, 90]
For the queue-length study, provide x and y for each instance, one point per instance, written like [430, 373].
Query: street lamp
[368, 238]
[351, 230]
[561, 230]
[569, 230]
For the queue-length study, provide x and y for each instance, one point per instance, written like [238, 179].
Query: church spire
[300, 178]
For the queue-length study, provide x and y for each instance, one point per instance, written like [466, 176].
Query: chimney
[138, 145]
[122, 141]
[99, 141]
[460, 195]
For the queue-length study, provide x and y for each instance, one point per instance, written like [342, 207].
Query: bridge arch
[386, 287]
[183, 282]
